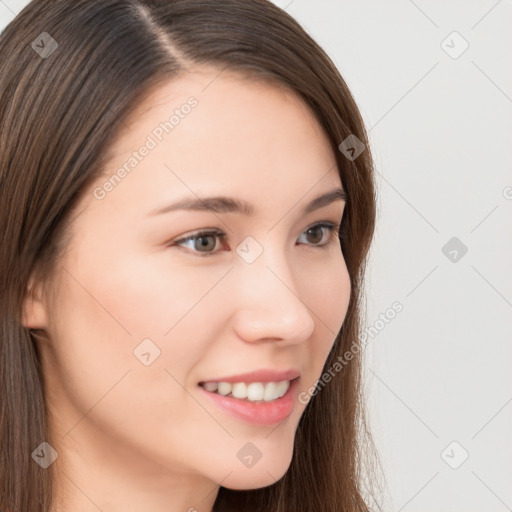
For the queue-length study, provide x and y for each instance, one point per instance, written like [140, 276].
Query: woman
[141, 370]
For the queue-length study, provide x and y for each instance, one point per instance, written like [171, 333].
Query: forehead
[216, 132]
[230, 108]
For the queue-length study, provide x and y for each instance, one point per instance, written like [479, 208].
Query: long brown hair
[70, 72]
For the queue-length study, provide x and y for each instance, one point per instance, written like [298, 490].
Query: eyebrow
[222, 204]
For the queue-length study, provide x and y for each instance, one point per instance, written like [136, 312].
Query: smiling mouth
[270, 410]
[256, 392]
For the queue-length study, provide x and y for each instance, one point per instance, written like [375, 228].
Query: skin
[132, 437]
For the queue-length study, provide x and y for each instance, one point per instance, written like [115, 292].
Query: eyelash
[331, 226]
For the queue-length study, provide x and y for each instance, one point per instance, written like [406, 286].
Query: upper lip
[263, 375]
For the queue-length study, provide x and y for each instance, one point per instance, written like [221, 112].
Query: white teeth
[239, 390]
[253, 392]
[224, 388]
[270, 391]
[210, 386]
[282, 387]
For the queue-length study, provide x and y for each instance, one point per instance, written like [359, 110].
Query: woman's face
[139, 321]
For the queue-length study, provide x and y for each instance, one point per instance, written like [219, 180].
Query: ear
[34, 311]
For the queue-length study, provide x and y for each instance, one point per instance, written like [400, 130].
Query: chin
[259, 476]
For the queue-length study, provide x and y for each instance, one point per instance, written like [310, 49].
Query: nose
[269, 305]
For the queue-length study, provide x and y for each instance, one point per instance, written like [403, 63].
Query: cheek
[154, 320]
[329, 295]
[328, 302]
[100, 321]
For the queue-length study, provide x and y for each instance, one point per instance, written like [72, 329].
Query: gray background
[440, 124]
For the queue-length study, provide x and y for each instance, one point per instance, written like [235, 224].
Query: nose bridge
[269, 303]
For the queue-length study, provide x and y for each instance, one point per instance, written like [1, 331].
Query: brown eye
[316, 234]
[316, 231]
[203, 243]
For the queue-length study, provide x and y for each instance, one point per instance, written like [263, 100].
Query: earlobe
[34, 313]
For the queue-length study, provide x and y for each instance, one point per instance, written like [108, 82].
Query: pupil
[317, 230]
[204, 242]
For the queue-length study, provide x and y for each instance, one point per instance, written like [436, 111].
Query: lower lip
[259, 414]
